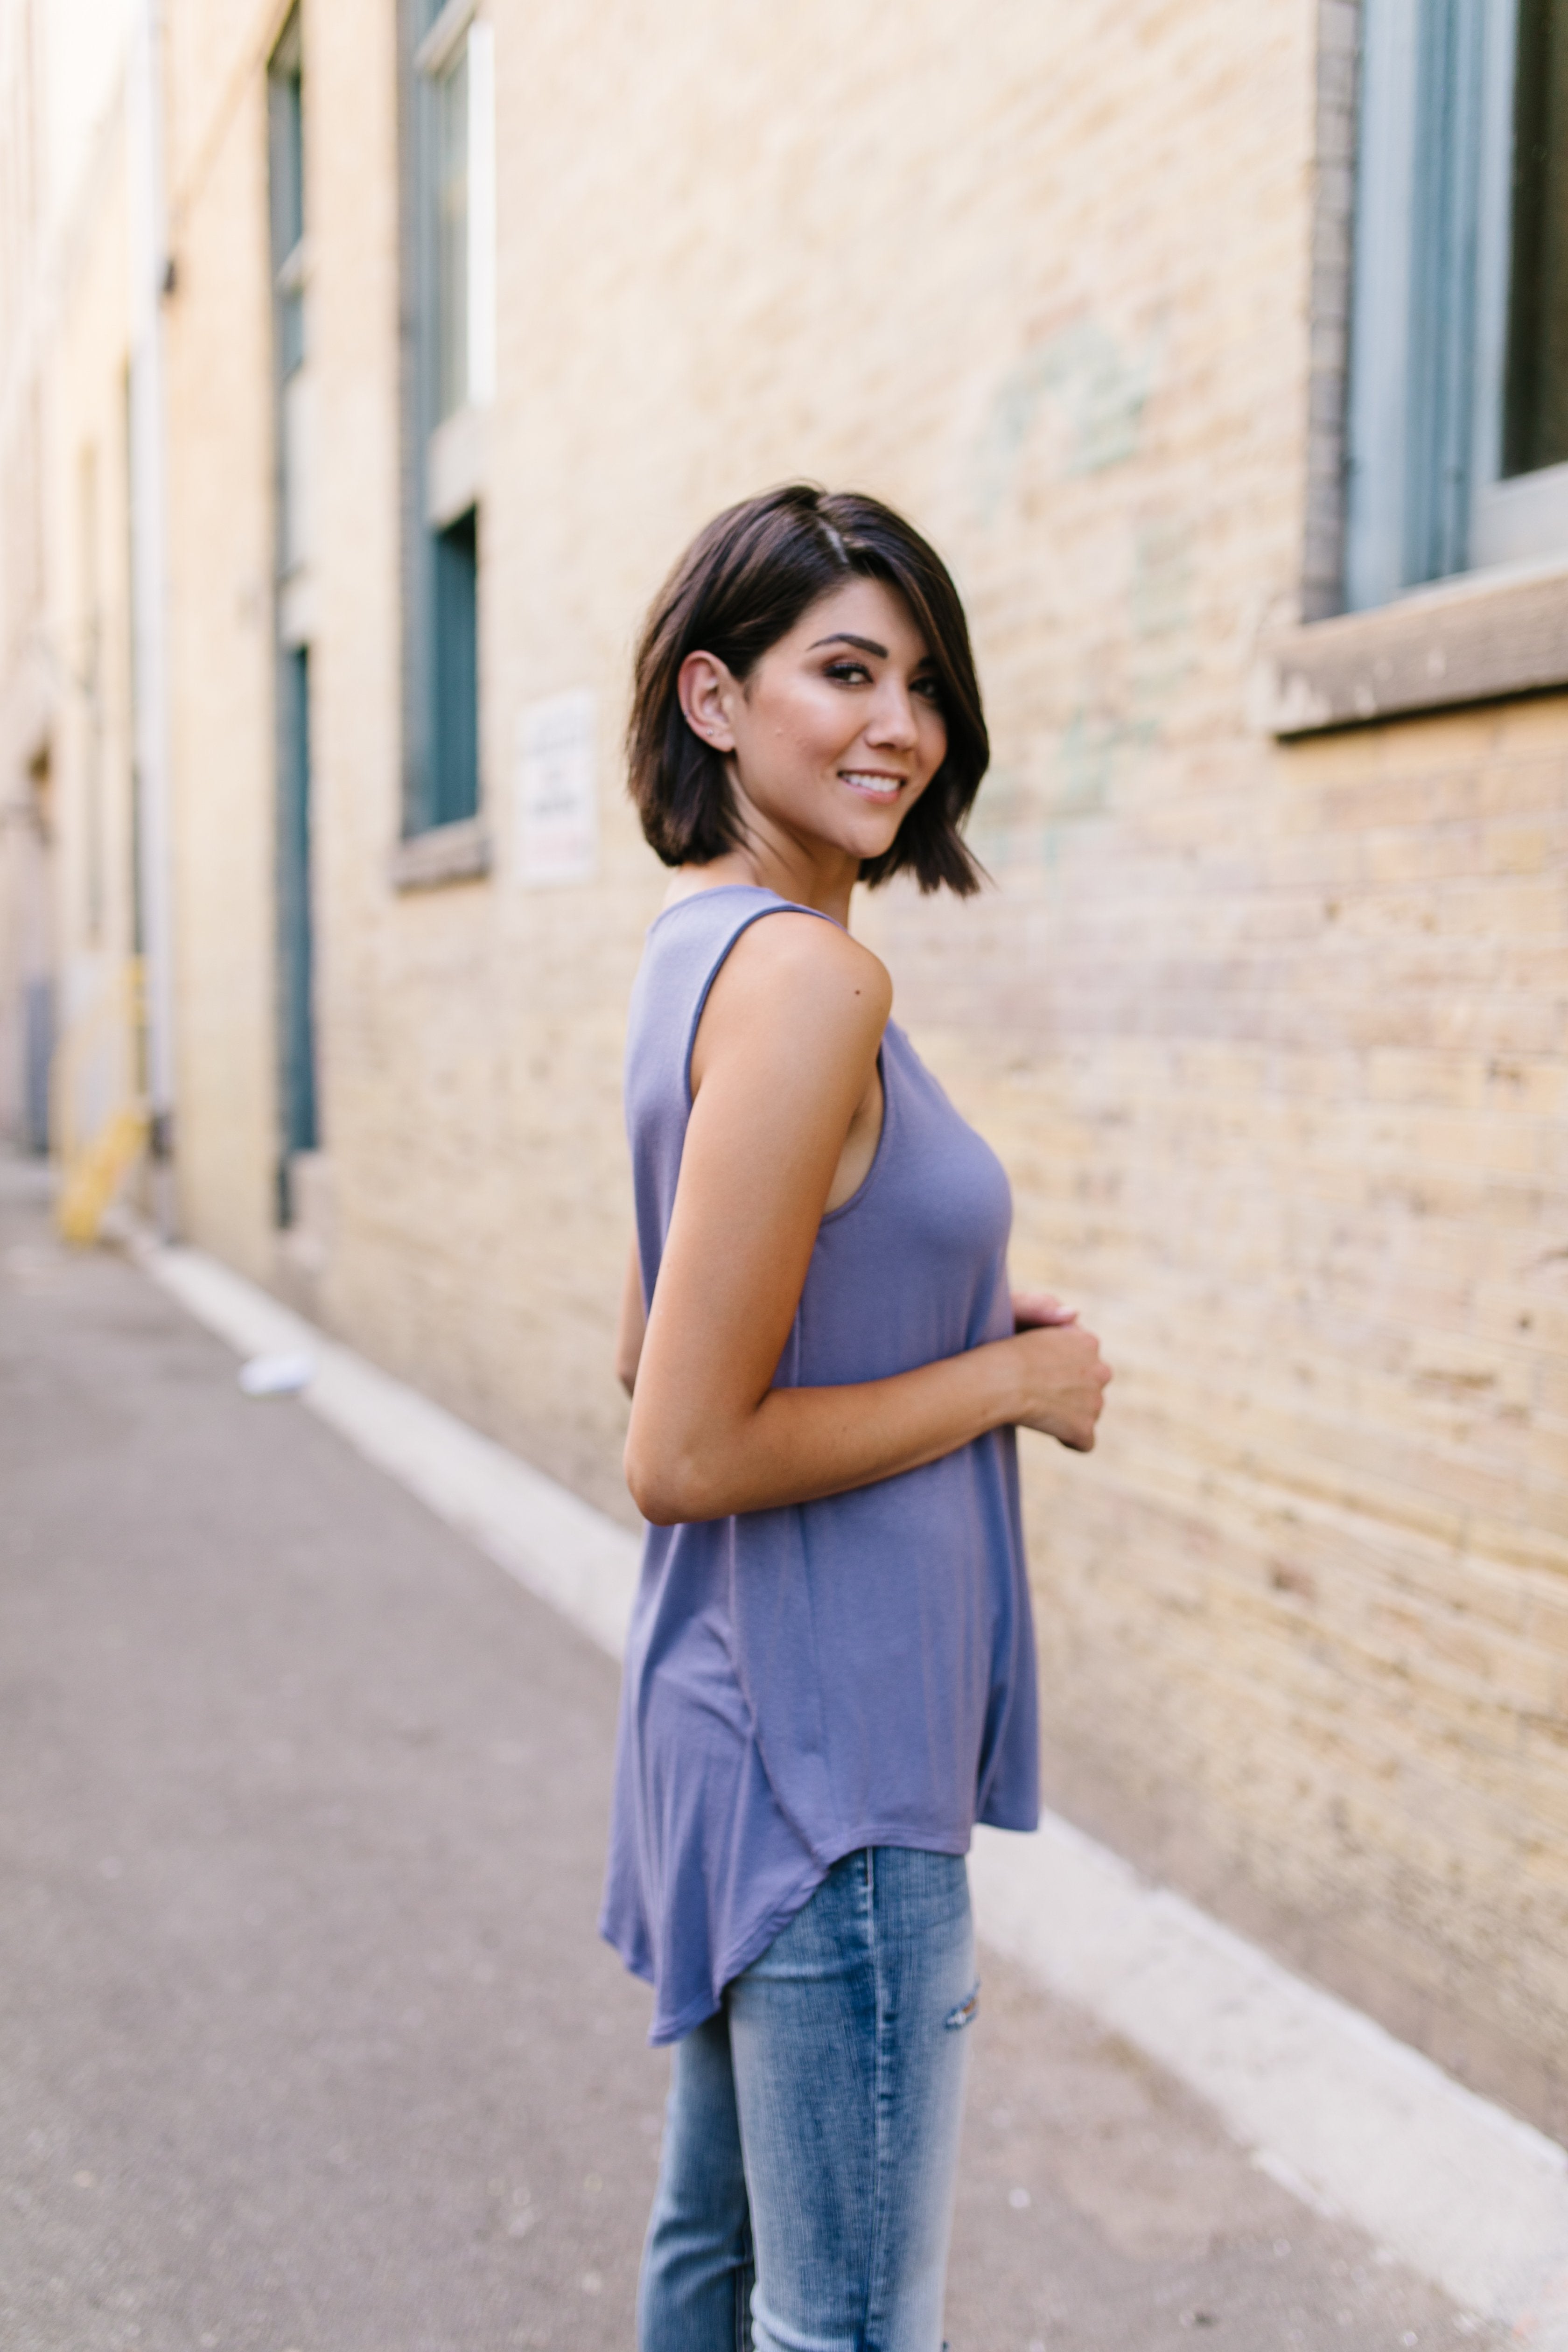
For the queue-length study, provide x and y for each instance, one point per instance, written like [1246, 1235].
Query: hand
[1033, 1309]
[1063, 1377]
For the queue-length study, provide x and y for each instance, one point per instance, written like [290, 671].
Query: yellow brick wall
[1271, 1039]
[218, 344]
[1283, 1095]
[81, 392]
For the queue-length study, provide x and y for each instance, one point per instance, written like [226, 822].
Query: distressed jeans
[806, 2190]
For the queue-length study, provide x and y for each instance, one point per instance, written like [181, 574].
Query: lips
[871, 786]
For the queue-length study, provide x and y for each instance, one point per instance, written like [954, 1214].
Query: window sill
[448, 853]
[1480, 638]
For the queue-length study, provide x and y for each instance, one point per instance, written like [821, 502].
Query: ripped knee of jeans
[965, 2014]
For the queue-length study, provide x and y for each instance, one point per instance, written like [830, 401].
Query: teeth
[885, 787]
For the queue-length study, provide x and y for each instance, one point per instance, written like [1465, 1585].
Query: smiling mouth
[870, 785]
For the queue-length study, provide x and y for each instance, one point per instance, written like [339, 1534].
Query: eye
[849, 673]
[930, 686]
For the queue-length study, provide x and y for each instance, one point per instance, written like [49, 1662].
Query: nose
[892, 721]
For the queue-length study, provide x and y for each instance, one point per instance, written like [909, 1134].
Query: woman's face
[837, 730]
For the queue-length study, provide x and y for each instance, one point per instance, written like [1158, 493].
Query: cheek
[933, 743]
[815, 727]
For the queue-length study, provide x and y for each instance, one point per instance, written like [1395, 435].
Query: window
[451, 194]
[296, 1023]
[1535, 379]
[456, 63]
[294, 943]
[287, 189]
[1458, 413]
[450, 257]
[455, 778]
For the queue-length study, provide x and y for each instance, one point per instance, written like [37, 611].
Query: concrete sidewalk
[307, 2040]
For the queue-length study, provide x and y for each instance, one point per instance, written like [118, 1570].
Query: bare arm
[632, 1325]
[784, 1052]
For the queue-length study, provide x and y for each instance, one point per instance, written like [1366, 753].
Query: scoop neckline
[755, 890]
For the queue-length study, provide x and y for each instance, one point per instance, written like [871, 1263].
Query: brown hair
[741, 586]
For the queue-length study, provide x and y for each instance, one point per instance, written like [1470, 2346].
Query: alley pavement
[307, 2042]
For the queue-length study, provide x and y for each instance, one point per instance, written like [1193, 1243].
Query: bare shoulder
[797, 977]
[810, 963]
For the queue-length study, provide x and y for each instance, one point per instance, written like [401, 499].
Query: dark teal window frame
[441, 766]
[1447, 277]
[455, 671]
[299, 1108]
[296, 961]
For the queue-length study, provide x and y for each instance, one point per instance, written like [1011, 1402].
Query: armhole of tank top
[759, 914]
[829, 1216]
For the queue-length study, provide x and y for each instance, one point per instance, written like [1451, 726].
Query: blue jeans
[806, 2192]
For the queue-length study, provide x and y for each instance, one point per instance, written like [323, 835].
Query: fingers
[1036, 1309]
[1072, 1378]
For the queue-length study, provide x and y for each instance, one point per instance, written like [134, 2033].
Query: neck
[812, 874]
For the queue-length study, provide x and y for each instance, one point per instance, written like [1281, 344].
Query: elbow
[669, 1489]
[647, 1491]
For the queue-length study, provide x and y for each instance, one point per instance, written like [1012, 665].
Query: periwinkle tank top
[858, 1671]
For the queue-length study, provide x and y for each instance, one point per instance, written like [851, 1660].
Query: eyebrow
[842, 637]
[866, 644]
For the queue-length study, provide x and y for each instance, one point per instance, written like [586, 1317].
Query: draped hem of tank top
[695, 2013]
[856, 1671]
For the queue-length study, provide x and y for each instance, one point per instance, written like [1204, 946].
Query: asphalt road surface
[307, 2042]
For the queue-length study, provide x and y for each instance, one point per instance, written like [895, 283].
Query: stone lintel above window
[1480, 638]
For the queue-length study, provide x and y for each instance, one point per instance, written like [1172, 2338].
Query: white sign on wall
[555, 812]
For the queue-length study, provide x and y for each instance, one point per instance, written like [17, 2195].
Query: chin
[861, 831]
[874, 835]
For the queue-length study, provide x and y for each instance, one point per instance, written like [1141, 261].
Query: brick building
[365, 374]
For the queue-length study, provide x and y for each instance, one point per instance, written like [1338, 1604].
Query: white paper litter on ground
[276, 1376]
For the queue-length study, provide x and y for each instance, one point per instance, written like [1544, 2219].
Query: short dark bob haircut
[742, 585]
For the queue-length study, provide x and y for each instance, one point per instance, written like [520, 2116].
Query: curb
[1351, 2120]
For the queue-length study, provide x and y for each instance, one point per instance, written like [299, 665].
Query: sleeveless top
[857, 1671]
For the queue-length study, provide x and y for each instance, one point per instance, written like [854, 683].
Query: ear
[705, 687]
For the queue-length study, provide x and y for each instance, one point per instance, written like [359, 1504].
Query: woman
[830, 1671]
